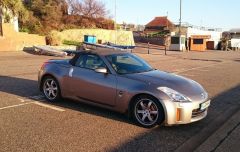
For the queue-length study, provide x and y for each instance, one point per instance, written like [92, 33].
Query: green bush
[24, 29]
[75, 43]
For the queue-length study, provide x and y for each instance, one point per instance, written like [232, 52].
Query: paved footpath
[225, 139]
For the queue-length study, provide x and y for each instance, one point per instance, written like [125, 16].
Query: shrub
[75, 43]
[53, 39]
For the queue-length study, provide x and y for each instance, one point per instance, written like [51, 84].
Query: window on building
[197, 41]
[174, 40]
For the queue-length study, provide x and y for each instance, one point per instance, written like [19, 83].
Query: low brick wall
[157, 41]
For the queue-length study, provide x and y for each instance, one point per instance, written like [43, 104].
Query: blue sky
[211, 13]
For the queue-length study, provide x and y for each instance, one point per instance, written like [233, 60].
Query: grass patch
[75, 43]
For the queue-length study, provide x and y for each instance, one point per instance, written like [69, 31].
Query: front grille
[197, 112]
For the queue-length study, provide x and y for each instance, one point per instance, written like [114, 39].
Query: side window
[80, 61]
[90, 61]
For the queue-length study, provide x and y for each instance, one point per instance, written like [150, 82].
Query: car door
[90, 85]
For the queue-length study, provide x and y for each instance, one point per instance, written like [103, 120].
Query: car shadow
[186, 137]
[26, 88]
[237, 60]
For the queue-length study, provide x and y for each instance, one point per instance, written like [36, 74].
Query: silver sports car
[123, 82]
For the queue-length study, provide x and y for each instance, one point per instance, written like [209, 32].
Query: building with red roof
[159, 24]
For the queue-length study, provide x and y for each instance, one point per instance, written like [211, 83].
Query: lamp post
[115, 7]
[180, 19]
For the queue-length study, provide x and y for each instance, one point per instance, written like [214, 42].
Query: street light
[180, 20]
[115, 21]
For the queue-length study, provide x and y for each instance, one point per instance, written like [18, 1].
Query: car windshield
[128, 63]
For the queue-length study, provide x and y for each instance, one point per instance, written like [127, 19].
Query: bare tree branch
[88, 8]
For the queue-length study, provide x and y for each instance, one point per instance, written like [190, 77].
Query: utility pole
[180, 26]
[180, 20]
[115, 21]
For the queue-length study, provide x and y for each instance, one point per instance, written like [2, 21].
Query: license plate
[205, 105]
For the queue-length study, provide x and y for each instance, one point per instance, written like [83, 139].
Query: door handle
[120, 93]
[71, 72]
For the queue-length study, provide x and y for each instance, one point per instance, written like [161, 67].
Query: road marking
[13, 106]
[49, 106]
[21, 100]
[203, 70]
[196, 68]
[39, 98]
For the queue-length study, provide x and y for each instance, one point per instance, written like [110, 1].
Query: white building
[214, 34]
[195, 38]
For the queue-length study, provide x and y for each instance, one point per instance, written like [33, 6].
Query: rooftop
[162, 21]
[235, 30]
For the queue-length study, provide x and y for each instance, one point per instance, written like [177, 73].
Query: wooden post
[148, 48]
[165, 50]
[1, 29]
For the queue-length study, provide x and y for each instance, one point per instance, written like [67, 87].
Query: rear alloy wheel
[148, 112]
[51, 89]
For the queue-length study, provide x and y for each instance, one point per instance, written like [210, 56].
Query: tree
[45, 15]
[16, 6]
[42, 16]
[88, 8]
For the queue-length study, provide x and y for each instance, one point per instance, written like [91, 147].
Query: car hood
[185, 86]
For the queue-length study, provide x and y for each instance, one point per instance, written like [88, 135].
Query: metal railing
[150, 47]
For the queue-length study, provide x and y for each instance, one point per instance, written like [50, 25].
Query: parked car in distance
[125, 83]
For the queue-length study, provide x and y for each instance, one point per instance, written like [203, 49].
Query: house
[201, 39]
[159, 24]
[234, 33]
[196, 38]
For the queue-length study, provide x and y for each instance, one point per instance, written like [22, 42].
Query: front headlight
[174, 95]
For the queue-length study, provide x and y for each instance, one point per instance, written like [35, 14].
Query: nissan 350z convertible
[123, 82]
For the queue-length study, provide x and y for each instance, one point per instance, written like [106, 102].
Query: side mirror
[101, 70]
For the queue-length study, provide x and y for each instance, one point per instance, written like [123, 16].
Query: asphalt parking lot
[29, 123]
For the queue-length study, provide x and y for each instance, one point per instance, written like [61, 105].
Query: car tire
[50, 89]
[147, 111]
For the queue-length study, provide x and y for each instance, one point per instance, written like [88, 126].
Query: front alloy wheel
[148, 112]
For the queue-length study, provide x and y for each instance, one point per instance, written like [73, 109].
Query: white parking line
[203, 70]
[21, 100]
[13, 106]
[49, 106]
[39, 98]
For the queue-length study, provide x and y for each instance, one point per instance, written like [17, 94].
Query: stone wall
[118, 37]
[15, 41]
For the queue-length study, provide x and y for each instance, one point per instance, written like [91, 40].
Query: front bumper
[184, 113]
